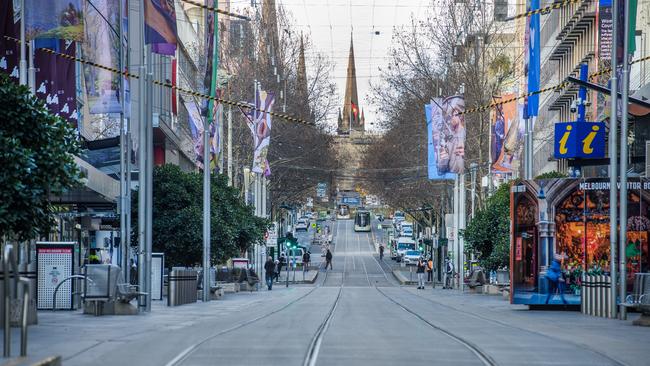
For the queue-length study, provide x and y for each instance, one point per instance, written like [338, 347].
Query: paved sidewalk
[616, 339]
[85, 339]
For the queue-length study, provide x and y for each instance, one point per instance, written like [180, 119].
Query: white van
[406, 229]
[404, 244]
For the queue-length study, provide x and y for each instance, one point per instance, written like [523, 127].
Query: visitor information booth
[571, 217]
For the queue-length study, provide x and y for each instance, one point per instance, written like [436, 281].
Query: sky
[329, 22]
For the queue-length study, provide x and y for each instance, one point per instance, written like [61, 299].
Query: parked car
[302, 225]
[411, 256]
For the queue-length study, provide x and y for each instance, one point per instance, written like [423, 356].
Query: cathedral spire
[269, 40]
[301, 78]
[351, 110]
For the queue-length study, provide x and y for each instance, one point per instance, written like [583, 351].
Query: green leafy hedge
[488, 233]
[36, 162]
[178, 218]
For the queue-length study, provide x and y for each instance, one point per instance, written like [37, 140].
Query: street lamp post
[472, 168]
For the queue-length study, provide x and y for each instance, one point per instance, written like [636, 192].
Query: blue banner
[534, 65]
[579, 140]
[436, 140]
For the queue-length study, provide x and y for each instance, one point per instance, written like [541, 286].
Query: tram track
[504, 324]
[182, 356]
[477, 351]
[313, 349]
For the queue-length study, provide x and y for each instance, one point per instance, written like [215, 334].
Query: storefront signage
[579, 140]
[518, 249]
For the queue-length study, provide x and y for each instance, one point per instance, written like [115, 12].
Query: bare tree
[459, 49]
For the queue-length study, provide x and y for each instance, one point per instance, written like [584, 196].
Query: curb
[402, 279]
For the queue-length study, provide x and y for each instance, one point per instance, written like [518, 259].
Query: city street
[355, 314]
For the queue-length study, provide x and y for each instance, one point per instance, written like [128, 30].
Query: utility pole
[23, 51]
[149, 178]
[622, 256]
[142, 162]
[206, 155]
[123, 244]
[613, 172]
[229, 142]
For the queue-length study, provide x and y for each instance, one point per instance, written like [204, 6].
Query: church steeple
[301, 79]
[351, 109]
[269, 40]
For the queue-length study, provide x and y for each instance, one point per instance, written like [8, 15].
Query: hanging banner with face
[434, 125]
[448, 134]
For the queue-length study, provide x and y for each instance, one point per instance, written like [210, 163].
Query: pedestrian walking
[420, 272]
[328, 260]
[269, 269]
[449, 274]
[381, 252]
[430, 270]
[306, 258]
[555, 278]
[281, 261]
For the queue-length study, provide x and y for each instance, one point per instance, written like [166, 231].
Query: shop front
[570, 218]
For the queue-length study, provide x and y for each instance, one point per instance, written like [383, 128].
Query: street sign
[321, 190]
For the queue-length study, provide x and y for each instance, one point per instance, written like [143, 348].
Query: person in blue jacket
[555, 278]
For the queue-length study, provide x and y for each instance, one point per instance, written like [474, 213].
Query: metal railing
[7, 260]
[56, 289]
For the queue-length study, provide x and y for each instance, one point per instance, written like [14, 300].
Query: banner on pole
[160, 26]
[102, 46]
[55, 80]
[259, 122]
[507, 128]
[534, 63]
[62, 19]
[446, 137]
[9, 49]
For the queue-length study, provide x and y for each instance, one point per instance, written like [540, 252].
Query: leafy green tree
[178, 218]
[36, 156]
[551, 175]
[488, 233]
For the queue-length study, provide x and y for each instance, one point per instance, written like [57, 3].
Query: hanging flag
[9, 49]
[62, 19]
[435, 124]
[102, 47]
[534, 64]
[507, 136]
[195, 122]
[259, 122]
[174, 84]
[210, 80]
[160, 26]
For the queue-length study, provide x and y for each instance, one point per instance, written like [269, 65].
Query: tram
[343, 212]
[362, 220]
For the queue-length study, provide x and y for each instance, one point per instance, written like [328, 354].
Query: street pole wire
[290, 118]
[217, 10]
[543, 11]
[169, 85]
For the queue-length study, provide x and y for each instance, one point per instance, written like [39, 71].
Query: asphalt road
[355, 314]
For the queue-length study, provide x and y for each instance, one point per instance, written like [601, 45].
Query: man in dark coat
[269, 269]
